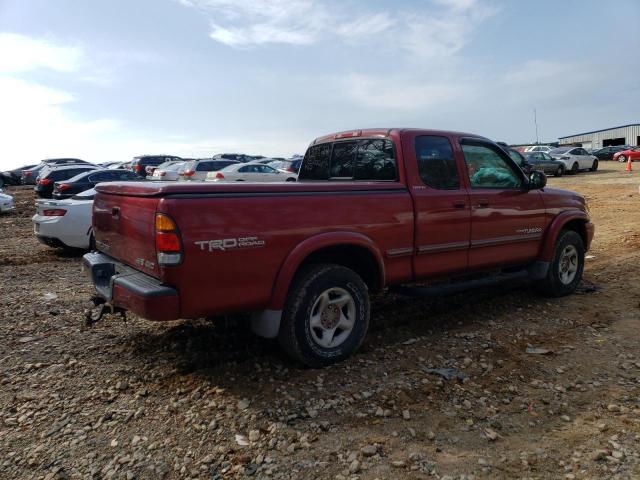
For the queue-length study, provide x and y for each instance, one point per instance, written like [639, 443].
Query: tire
[575, 169]
[313, 287]
[559, 172]
[240, 180]
[291, 179]
[559, 280]
[622, 159]
[594, 167]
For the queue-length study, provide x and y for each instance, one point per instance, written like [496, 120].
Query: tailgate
[123, 227]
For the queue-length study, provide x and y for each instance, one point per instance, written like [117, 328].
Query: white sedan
[6, 203]
[167, 172]
[65, 223]
[575, 159]
[250, 172]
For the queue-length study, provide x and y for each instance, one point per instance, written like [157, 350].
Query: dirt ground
[208, 400]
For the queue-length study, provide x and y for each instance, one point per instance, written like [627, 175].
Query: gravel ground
[205, 399]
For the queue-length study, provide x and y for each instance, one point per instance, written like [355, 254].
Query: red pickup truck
[371, 209]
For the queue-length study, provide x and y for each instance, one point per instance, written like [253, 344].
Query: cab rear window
[363, 160]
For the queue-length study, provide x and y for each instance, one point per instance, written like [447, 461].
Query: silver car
[167, 171]
[198, 169]
[575, 159]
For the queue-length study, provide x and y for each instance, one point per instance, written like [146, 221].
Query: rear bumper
[125, 287]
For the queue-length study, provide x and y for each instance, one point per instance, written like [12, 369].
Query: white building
[624, 135]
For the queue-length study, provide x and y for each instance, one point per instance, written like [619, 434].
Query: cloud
[21, 54]
[434, 28]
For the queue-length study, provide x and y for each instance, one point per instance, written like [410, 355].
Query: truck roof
[385, 132]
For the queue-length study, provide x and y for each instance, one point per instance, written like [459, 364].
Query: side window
[487, 168]
[315, 165]
[375, 161]
[244, 169]
[100, 177]
[436, 163]
[204, 167]
[343, 159]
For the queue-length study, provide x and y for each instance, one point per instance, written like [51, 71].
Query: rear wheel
[567, 265]
[622, 159]
[291, 179]
[559, 171]
[326, 315]
[575, 168]
[594, 167]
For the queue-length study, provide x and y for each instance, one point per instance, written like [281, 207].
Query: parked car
[199, 168]
[30, 175]
[87, 180]
[65, 223]
[139, 164]
[251, 172]
[6, 203]
[239, 157]
[453, 206]
[575, 159]
[45, 183]
[606, 153]
[285, 164]
[538, 148]
[545, 162]
[632, 153]
[13, 177]
[168, 171]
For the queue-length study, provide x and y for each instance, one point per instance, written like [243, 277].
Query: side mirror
[537, 180]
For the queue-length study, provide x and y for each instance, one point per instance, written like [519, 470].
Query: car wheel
[567, 265]
[290, 179]
[622, 159]
[559, 171]
[594, 167]
[575, 169]
[240, 180]
[326, 315]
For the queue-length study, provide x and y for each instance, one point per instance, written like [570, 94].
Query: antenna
[535, 120]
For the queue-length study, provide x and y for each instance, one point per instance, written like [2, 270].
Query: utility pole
[535, 120]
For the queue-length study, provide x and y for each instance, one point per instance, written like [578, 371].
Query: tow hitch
[100, 309]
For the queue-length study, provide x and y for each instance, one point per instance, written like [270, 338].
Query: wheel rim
[622, 158]
[568, 266]
[333, 317]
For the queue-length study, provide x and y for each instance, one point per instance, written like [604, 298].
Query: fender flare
[301, 252]
[546, 253]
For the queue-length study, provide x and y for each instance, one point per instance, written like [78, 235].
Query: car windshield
[560, 150]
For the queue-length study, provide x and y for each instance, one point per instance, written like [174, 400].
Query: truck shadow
[207, 347]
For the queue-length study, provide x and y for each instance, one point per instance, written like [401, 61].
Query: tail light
[44, 181]
[168, 243]
[27, 173]
[54, 212]
[62, 187]
[162, 174]
[137, 168]
[188, 173]
[219, 176]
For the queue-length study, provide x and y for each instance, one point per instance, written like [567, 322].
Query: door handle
[459, 204]
[115, 212]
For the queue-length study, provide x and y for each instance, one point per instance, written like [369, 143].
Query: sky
[111, 79]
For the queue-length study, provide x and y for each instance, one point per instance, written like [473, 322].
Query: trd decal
[225, 244]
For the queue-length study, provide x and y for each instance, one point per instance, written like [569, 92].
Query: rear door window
[436, 163]
[365, 160]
